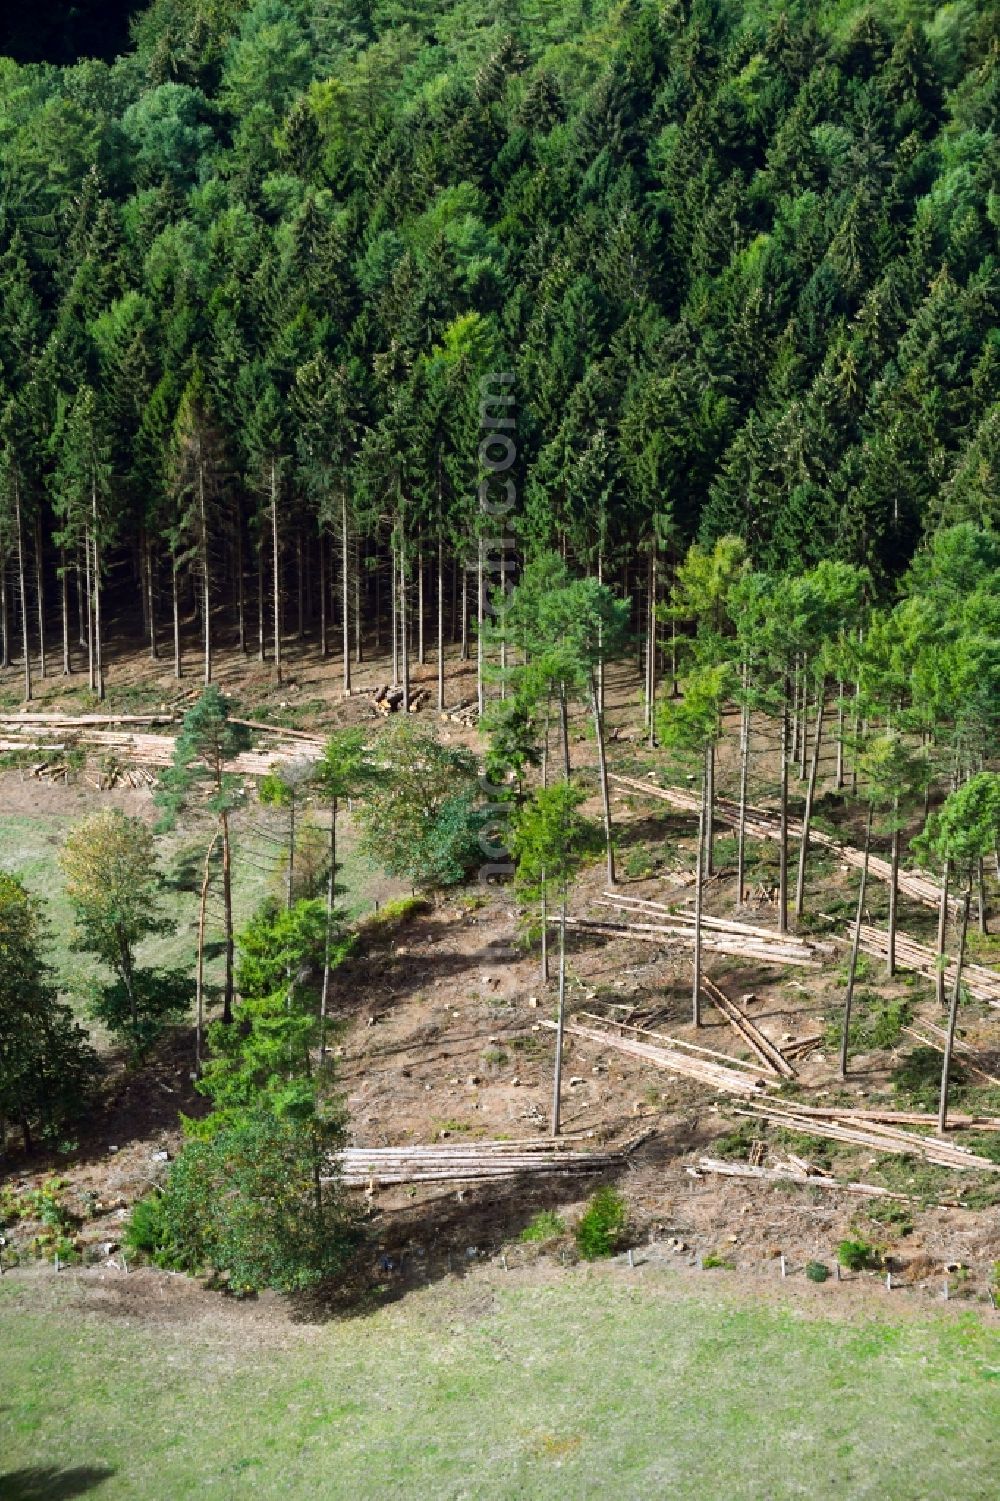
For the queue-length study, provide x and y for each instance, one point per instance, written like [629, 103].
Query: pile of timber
[155, 752]
[719, 935]
[466, 714]
[727, 1079]
[54, 722]
[769, 1054]
[858, 1129]
[761, 824]
[467, 1162]
[791, 1172]
[982, 984]
[388, 699]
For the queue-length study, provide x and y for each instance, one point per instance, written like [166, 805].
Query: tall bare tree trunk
[855, 947]
[561, 1023]
[942, 934]
[956, 996]
[277, 570]
[699, 893]
[465, 615]
[300, 585]
[710, 816]
[783, 847]
[404, 631]
[357, 602]
[595, 704]
[840, 736]
[800, 884]
[981, 889]
[393, 613]
[4, 615]
[651, 653]
[421, 654]
[260, 594]
[23, 590]
[893, 894]
[564, 724]
[206, 592]
[227, 907]
[91, 678]
[200, 972]
[154, 650]
[40, 594]
[323, 642]
[741, 832]
[176, 602]
[64, 602]
[440, 619]
[345, 585]
[241, 591]
[98, 635]
[480, 621]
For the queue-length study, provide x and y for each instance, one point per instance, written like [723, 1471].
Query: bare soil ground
[441, 1038]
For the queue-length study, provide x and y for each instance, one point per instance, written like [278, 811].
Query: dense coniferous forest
[740, 257]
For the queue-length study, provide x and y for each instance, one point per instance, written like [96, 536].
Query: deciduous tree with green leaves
[207, 743]
[109, 865]
[550, 838]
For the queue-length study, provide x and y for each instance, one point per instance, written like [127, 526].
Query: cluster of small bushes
[601, 1231]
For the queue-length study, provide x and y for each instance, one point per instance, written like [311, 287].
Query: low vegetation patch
[603, 1226]
[545, 1226]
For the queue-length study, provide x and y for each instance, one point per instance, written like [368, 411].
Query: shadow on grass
[49, 1483]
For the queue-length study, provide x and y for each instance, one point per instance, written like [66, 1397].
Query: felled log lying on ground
[982, 984]
[762, 824]
[789, 1173]
[877, 1137]
[716, 1075]
[717, 937]
[768, 1052]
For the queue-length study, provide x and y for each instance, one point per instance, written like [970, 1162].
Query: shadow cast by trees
[405, 1248]
[51, 1483]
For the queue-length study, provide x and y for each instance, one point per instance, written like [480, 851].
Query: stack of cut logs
[388, 699]
[467, 1162]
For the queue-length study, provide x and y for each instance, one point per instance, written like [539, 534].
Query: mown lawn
[497, 1389]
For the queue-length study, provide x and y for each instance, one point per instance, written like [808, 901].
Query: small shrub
[544, 1226]
[148, 1230]
[601, 1230]
[712, 1260]
[816, 1271]
[892, 1215]
[855, 1255]
[876, 1024]
[638, 865]
[735, 1145]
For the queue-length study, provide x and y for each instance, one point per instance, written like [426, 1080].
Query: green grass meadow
[493, 1389]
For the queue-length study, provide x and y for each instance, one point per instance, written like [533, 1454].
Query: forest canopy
[741, 258]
